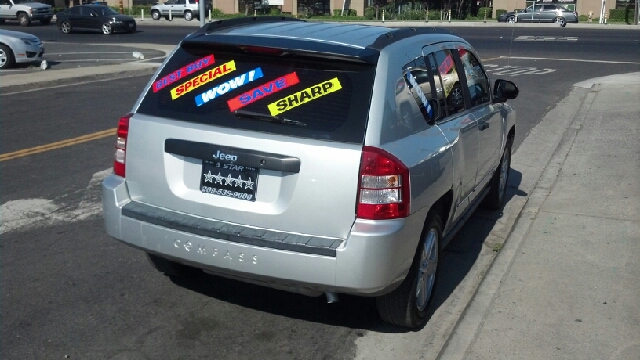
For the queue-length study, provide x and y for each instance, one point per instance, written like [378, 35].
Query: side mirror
[504, 90]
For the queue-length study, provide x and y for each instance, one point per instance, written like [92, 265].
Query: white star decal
[208, 177]
[239, 181]
[248, 184]
[229, 180]
[218, 178]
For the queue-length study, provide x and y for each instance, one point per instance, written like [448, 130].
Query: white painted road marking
[545, 38]
[516, 70]
[576, 60]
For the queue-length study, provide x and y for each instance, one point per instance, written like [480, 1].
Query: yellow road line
[58, 144]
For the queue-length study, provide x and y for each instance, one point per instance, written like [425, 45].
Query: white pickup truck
[188, 9]
[25, 11]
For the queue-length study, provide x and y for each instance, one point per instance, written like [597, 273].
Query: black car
[94, 17]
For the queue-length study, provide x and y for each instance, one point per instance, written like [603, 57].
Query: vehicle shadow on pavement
[355, 312]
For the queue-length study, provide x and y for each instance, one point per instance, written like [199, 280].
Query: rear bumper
[373, 260]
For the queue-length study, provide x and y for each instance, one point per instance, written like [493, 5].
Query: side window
[477, 81]
[447, 81]
[412, 91]
[416, 78]
[181, 2]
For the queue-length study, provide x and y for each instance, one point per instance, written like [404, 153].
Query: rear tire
[7, 59]
[511, 19]
[560, 21]
[107, 29]
[170, 268]
[23, 19]
[188, 16]
[65, 27]
[155, 15]
[407, 305]
[498, 183]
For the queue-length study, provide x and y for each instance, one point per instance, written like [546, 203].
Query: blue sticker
[415, 87]
[228, 86]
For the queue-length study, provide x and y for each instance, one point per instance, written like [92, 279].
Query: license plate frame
[228, 179]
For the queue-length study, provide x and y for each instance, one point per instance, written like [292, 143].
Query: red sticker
[262, 91]
[184, 71]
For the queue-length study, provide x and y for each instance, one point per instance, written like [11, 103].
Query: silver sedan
[19, 47]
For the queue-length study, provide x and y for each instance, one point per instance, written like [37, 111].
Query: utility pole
[201, 11]
[637, 13]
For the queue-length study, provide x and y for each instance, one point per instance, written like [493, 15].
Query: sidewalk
[566, 283]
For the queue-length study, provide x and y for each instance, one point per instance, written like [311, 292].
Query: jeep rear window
[319, 98]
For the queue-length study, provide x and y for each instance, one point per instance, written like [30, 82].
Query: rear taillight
[383, 189]
[121, 145]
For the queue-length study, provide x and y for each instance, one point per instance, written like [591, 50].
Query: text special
[200, 80]
[228, 86]
[261, 91]
[304, 96]
[182, 72]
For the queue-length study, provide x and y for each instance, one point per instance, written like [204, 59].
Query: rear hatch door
[252, 136]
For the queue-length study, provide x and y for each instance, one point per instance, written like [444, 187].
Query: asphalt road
[70, 290]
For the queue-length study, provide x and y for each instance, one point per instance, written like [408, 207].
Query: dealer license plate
[226, 179]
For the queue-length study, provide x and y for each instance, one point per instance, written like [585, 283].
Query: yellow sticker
[202, 79]
[304, 96]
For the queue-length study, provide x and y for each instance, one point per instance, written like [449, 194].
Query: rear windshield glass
[290, 95]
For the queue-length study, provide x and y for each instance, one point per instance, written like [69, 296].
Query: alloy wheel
[106, 28]
[3, 58]
[65, 27]
[427, 270]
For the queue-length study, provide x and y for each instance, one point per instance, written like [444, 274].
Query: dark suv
[312, 157]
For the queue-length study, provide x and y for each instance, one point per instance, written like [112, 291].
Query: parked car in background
[17, 47]
[94, 17]
[542, 13]
[25, 11]
[271, 150]
[188, 9]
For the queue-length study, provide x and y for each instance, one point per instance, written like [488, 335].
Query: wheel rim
[188, 16]
[155, 15]
[3, 58]
[427, 270]
[504, 173]
[23, 19]
[106, 29]
[456, 95]
[511, 19]
[560, 21]
[66, 27]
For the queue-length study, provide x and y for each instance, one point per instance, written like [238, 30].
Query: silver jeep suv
[187, 9]
[307, 157]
